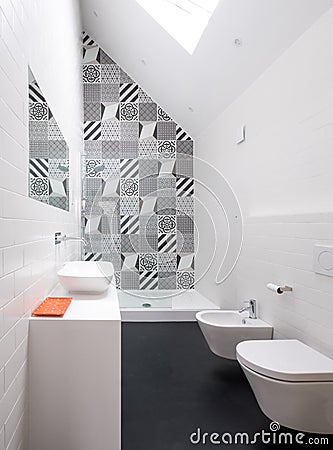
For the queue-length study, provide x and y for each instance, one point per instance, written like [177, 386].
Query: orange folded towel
[53, 306]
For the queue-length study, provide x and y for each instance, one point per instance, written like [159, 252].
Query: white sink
[90, 277]
[223, 330]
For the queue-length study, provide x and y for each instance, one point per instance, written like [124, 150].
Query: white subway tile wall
[279, 249]
[28, 257]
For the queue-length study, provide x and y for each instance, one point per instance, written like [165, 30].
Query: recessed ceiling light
[95, 13]
[238, 42]
[184, 20]
[191, 109]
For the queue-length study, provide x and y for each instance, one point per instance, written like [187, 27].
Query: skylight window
[184, 20]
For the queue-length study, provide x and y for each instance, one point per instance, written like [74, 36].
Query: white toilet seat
[285, 360]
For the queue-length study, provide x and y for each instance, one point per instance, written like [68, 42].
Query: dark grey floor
[172, 384]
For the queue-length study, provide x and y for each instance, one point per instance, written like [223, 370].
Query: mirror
[48, 152]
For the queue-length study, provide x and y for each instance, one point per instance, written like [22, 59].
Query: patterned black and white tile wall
[138, 180]
[48, 152]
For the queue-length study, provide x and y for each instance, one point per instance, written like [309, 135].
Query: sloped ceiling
[195, 89]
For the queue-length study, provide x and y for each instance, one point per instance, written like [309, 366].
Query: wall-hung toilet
[292, 383]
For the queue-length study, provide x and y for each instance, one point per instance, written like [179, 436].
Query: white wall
[47, 35]
[282, 176]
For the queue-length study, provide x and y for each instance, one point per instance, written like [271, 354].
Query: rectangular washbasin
[89, 277]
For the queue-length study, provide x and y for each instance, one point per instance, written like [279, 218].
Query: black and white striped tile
[128, 92]
[129, 224]
[92, 130]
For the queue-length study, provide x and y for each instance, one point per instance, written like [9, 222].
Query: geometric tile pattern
[138, 179]
[48, 152]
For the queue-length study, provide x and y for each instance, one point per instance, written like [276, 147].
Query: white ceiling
[218, 71]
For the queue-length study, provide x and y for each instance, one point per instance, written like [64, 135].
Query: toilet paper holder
[279, 289]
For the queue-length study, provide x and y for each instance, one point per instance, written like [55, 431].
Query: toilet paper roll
[275, 288]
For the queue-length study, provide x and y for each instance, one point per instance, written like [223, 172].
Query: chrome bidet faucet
[251, 306]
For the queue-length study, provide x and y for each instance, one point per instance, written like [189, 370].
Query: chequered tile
[124, 77]
[148, 168]
[48, 153]
[111, 168]
[130, 243]
[104, 58]
[166, 131]
[58, 168]
[54, 132]
[147, 149]
[166, 205]
[185, 224]
[138, 184]
[185, 243]
[147, 111]
[61, 203]
[129, 206]
[185, 206]
[148, 186]
[58, 150]
[167, 280]
[166, 186]
[167, 262]
[39, 149]
[38, 131]
[110, 74]
[148, 243]
[94, 243]
[129, 149]
[91, 93]
[93, 149]
[129, 131]
[110, 149]
[93, 186]
[92, 111]
[184, 167]
[114, 258]
[110, 131]
[109, 92]
[143, 97]
[148, 224]
[129, 280]
[185, 148]
[111, 243]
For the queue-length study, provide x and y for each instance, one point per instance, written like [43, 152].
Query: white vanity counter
[75, 375]
[103, 306]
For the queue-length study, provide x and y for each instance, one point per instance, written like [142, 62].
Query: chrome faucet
[251, 306]
[63, 238]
